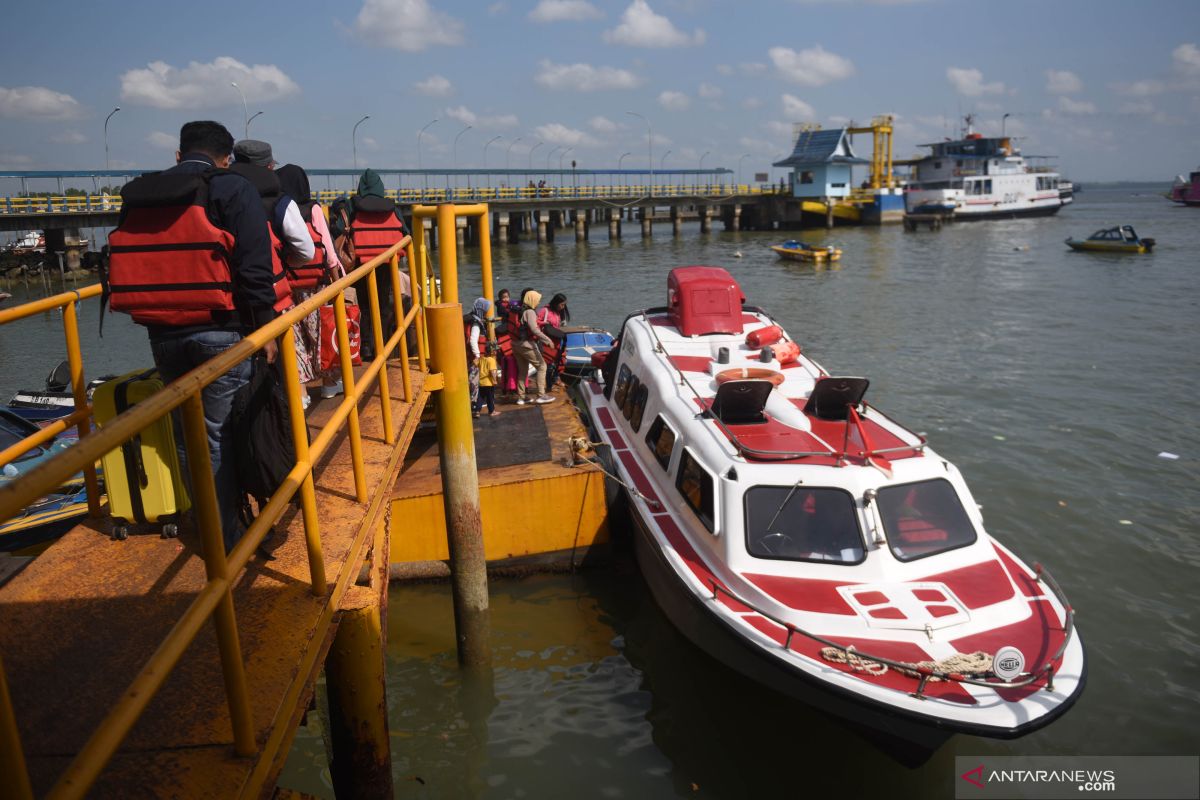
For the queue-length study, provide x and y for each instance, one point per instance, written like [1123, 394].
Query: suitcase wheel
[120, 533]
[170, 530]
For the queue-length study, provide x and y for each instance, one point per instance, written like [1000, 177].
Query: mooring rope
[579, 446]
[977, 663]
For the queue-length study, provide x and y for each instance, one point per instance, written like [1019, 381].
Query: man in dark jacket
[235, 207]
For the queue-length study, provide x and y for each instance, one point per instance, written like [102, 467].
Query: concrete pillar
[614, 224]
[828, 212]
[735, 217]
[502, 227]
[430, 232]
[460, 230]
[647, 225]
[581, 227]
[676, 221]
[705, 219]
[541, 226]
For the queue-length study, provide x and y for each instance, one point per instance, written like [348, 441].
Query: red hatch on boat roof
[702, 300]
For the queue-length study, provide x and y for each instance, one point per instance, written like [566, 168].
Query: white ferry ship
[978, 177]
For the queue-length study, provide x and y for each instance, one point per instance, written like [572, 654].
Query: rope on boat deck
[977, 663]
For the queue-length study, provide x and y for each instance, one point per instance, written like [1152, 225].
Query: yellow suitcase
[143, 478]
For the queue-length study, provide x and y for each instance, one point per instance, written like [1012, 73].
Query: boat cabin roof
[1121, 233]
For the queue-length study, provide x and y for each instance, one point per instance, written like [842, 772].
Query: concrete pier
[581, 226]
[706, 219]
[614, 223]
[647, 224]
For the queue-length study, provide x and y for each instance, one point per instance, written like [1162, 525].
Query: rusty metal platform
[82, 619]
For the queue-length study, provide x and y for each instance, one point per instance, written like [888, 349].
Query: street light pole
[354, 139]
[508, 160]
[562, 156]
[551, 155]
[455, 154]
[257, 114]
[425, 178]
[698, 177]
[535, 147]
[245, 109]
[739, 170]
[1004, 124]
[620, 161]
[485, 149]
[663, 161]
[106, 119]
[649, 147]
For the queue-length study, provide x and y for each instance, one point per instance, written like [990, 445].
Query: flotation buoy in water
[764, 336]
[750, 374]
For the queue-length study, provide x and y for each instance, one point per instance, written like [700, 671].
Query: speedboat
[48, 516]
[812, 543]
[802, 251]
[1122, 239]
[1187, 190]
[581, 344]
[56, 399]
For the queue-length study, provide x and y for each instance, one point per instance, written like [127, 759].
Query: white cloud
[564, 11]
[796, 109]
[815, 66]
[13, 160]
[462, 114]
[500, 121]
[560, 135]
[163, 141]
[408, 25]
[1137, 107]
[674, 101]
[1145, 88]
[69, 137]
[496, 9]
[1069, 106]
[781, 130]
[1186, 59]
[839, 120]
[969, 82]
[205, 85]
[435, 86]
[585, 77]
[710, 92]
[1061, 81]
[37, 102]
[751, 103]
[468, 117]
[641, 27]
[603, 125]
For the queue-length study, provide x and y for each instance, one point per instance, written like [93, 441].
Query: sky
[1111, 88]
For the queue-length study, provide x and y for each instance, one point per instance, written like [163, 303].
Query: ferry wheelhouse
[980, 177]
[1187, 190]
[811, 542]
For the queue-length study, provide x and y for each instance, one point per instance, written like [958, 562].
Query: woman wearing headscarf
[551, 318]
[294, 182]
[476, 329]
[527, 351]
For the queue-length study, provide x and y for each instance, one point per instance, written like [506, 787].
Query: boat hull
[796, 254]
[1099, 247]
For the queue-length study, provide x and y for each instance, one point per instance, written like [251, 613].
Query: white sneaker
[332, 391]
[520, 401]
[544, 399]
[305, 400]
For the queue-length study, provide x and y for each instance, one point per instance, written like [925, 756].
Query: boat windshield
[924, 518]
[803, 523]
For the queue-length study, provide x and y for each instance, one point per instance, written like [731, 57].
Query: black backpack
[262, 431]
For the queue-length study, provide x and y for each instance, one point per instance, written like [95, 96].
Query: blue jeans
[178, 355]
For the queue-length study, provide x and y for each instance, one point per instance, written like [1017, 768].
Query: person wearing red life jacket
[551, 317]
[321, 270]
[527, 349]
[191, 260]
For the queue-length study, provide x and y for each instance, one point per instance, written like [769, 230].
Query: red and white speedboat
[814, 544]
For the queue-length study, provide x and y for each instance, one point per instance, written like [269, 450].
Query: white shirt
[298, 247]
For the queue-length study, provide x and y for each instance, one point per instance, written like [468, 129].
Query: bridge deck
[79, 622]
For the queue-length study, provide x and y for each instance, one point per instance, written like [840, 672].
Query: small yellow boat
[1123, 239]
[801, 251]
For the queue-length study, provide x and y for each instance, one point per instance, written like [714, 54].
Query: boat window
[924, 518]
[627, 401]
[622, 386]
[696, 486]
[987, 186]
[803, 523]
[640, 396]
[661, 440]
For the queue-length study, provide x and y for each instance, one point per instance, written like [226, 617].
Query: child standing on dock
[489, 377]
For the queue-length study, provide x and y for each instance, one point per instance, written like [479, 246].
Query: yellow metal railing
[215, 600]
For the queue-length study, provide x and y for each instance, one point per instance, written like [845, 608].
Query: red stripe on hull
[691, 363]
[1037, 637]
[804, 594]
[978, 585]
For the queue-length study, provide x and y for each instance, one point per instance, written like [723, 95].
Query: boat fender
[786, 352]
[750, 373]
[764, 336]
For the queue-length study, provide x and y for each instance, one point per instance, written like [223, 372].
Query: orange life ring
[750, 374]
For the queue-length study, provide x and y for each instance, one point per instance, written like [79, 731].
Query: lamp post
[508, 160]
[535, 147]
[455, 154]
[255, 116]
[245, 109]
[354, 139]
[706, 152]
[739, 169]
[563, 155]
[620, 161]
[485, 149]
[550, 155]
[1004, 123]
[106, 119]
[425, 178]
[649, 147]
[663, 161]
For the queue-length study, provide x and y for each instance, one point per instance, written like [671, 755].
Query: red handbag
[329, 341]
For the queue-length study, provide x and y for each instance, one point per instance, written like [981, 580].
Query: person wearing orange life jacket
[375, 224]
[322, 269]
[551, 317]
[526, 349]
[191, 260]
